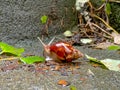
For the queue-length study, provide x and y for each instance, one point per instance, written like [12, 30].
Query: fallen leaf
[111, 64]
[32, 59]
[86, 40]
[10, 49]
[103, 45]
[93, 59]
[63, 83]
[114, 47]
[116, 38]
[68, 33]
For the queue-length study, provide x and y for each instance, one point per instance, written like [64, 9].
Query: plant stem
[10, 58]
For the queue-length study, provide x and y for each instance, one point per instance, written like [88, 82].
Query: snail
[60, 51]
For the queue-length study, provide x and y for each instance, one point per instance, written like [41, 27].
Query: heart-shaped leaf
[32, 59]
[10, 49]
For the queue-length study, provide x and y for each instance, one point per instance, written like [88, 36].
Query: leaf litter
[93, 26]
[94, 30]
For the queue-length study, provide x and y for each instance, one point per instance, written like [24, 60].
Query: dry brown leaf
[63, 82]
[95, 65]
[103, 45]
[116, 38]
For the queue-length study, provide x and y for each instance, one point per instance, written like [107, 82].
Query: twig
[10, 58]
[117, 1]
[91, 7]
[101, 29]
[100, 7]
[93, 15]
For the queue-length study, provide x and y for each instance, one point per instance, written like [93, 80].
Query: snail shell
[61, 51]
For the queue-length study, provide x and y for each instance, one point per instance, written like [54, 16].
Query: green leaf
[92, 59]
[73, 88]
[10, 49]
[32, 59]
[44, 19]
[114, 47]
[111, 64]
[108, 9]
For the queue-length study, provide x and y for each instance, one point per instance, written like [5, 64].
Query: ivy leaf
[44, 19]
[114, 47]
[32, 59]
[10, 49]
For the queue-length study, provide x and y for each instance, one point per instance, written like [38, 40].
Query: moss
[115, 16]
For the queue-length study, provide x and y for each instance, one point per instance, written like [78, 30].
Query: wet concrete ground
[22, 78]
[20, 26]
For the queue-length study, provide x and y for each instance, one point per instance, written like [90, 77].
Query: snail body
[61, 51]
